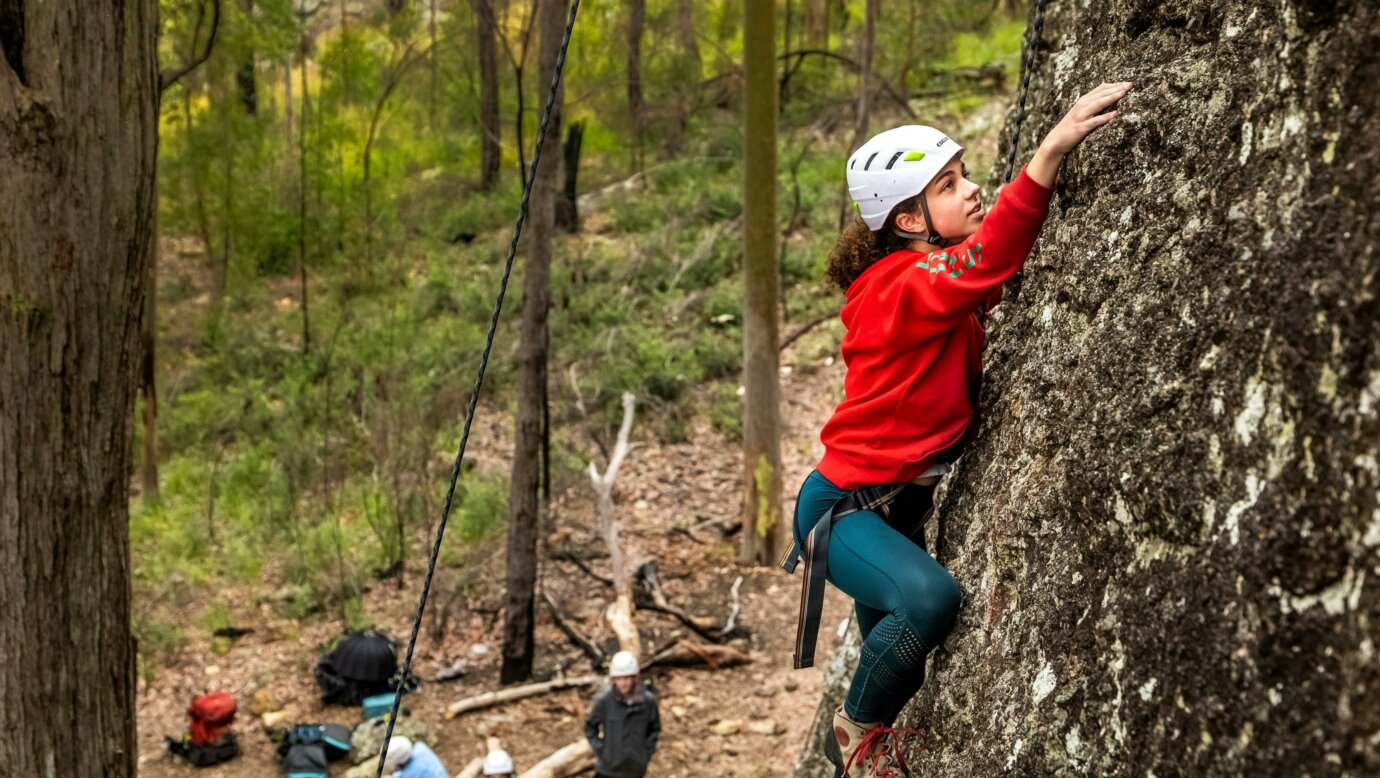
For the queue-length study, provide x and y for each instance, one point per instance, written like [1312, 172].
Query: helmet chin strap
[933, 238]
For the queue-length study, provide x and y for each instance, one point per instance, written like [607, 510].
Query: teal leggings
[907, 603]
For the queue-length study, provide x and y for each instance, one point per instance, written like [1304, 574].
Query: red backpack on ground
[211, 715]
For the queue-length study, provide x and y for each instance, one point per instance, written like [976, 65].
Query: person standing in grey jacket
[624, 724]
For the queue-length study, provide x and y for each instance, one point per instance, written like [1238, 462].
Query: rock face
[1167, 533]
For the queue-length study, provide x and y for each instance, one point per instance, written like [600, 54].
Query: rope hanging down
[1034, 42]
[479, 378]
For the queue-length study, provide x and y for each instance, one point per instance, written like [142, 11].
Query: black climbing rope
[1032, 43]
[479, 378]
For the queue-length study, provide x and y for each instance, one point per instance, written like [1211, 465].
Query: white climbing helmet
[399, 751]
[894, 165]
[497, 762]
[623, 664]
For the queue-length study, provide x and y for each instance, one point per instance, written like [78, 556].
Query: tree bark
[817, 22]
[637, 15]
[78, 133]
[865, 50]
[764, 530]
[523, 513]
[568, 204]
[148, 373]
[244, 74]
[486, 27]
[1166, 530]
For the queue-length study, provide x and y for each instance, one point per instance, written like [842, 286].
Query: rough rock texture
[1167, 533]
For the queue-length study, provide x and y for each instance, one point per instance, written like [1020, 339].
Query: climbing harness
[876, 498]
[479, 377]
[815, 553]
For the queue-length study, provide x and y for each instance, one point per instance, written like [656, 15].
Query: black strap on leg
[816, 556]
[812, 589]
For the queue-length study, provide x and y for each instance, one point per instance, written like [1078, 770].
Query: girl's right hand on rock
[1084, 117]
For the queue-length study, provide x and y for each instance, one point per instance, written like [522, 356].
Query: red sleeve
[940, 288]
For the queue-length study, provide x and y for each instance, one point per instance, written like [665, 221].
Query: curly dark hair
[858, 247]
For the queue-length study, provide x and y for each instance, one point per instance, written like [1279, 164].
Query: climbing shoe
[875, 751]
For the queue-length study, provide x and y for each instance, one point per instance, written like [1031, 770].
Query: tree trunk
[148, 373]
[865, 87]
[763, 528]
[1167, 529]
[244, 74]
[486, 27]
[817, 23]
[523, 514]
[637, 15]
[78, 133]
[685, 34]
[567, 205]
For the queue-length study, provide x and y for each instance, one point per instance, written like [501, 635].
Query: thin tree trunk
[287, 108]
[816, 22]
[689, 42]
[302, 207]
[244, 74]
[78, 136]
[485, 31]
[763, 528]
[567, 204]
[431, 56]
[523, 513]
[637, 13]
[148, 374]
[865, 48]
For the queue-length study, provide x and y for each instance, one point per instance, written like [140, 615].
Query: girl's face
[953, 201]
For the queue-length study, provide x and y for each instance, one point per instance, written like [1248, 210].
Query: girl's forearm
[1044, 166]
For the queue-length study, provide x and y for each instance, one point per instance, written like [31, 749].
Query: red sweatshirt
[913, 350]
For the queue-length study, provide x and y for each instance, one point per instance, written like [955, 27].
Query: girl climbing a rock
[918, 268]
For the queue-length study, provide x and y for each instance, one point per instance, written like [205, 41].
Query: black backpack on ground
[333, 739]
[362, 665]
[206, 754]
[305, 761]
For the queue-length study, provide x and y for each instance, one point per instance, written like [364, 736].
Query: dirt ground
[662, 492]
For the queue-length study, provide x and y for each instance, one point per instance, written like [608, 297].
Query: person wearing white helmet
[497, 762]
[406, 759]
[624, 725]
[918, 267]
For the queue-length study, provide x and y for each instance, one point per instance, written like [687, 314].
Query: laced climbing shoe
[869, 752]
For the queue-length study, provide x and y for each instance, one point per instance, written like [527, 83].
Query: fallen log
[489, 699]
[471, 770]
[686, 653]
[571, 760]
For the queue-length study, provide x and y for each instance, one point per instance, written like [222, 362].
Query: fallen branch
[619, 613]
[796, 335]
[733, 614]
[687, 654]
[586, 645]
[571, 760]
[583, 565]
[705, 626]
[489, 699]
[472, 770]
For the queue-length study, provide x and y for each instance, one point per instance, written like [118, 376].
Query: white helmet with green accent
[895, 165]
